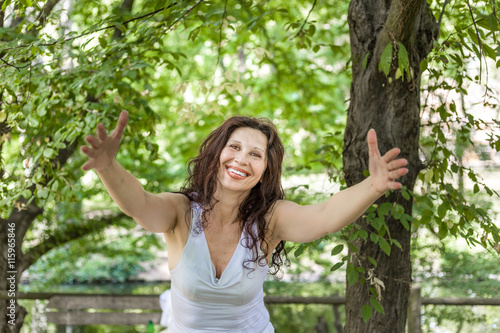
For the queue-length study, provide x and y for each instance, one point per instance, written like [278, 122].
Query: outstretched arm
[296, 223]
[156, 213]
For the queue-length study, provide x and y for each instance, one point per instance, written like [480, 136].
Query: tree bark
[392, 107]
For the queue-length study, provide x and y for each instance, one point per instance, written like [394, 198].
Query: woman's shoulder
[181, 201]
[274, 210]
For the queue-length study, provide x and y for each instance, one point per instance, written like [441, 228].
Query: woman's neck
[227, 206]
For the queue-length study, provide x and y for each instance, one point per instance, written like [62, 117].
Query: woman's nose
[241, 157]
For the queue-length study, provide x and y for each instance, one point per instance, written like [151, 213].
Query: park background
[181, 68]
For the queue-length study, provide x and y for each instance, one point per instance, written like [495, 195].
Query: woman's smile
[236, 172]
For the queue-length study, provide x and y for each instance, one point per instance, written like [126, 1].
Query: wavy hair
[202, 181]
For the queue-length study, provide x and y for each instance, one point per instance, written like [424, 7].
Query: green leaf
[404, 222]
[489, 51]
[377, 223]
[363, 234]
[42, 193]
[337, 249]
[385, 246]
[376, 305]
[300, 250]
[383, 209]
[336, 266]
[473, 35]
[373, 261]
[312, 30]
[403, 60]
[428, 175]
[443, 209]
[443, 230]
[366, 312]
[386, 60]
[405, 195]
[26, 194]
[423, 65]
[103, 42]
[352, 247]
[49, 153]
[492, 21]
[352, 274]
[397, 243]
[5, 4]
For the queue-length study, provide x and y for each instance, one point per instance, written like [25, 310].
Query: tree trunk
[392, 107]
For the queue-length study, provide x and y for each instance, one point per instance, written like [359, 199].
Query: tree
[389, 107]
[179, 68]
[390, 44]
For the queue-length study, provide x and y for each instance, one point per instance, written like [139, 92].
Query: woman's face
[243, 160]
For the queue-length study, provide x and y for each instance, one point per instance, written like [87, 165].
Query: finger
[398, 173]
[391, 154]
[101, 132]
[93, 141]
[87, 166]
[121, 124]
[88, 151]
[371, 138]
[395, 185]
[396, 164]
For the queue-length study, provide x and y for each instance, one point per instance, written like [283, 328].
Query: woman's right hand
[104, 147]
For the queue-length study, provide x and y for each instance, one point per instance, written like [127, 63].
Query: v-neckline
[213, 276]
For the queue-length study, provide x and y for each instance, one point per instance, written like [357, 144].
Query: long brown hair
[202, 183]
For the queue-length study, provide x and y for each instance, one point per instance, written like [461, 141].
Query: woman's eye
[256, 155]
[234, 146]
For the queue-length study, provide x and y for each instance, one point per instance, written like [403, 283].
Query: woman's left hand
[384, 170]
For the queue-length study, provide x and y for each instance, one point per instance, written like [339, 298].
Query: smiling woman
[243, 159]
[228, 225]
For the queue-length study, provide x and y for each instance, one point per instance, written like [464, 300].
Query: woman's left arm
[296, 223]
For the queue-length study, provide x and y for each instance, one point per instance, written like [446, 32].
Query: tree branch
[8, 64]
[481, 52]
[305, 21]
[44, 13]
[442, 13]
[182, 16]
[61, 237]
[219, 48]
[63, 40]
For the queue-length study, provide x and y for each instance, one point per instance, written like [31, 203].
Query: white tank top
[203, 303]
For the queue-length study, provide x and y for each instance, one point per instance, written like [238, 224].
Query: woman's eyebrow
[236, 141]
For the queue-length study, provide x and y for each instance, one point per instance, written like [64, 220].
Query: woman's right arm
[156, 213]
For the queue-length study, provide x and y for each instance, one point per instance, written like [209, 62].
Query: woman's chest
[222, 244]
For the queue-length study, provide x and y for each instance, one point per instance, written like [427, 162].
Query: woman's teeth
[242, 174]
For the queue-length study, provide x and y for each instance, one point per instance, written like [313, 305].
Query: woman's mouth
[236, 173]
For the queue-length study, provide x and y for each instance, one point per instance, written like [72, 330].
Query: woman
[230, 220]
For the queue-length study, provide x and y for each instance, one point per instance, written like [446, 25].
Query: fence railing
[72, 309]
